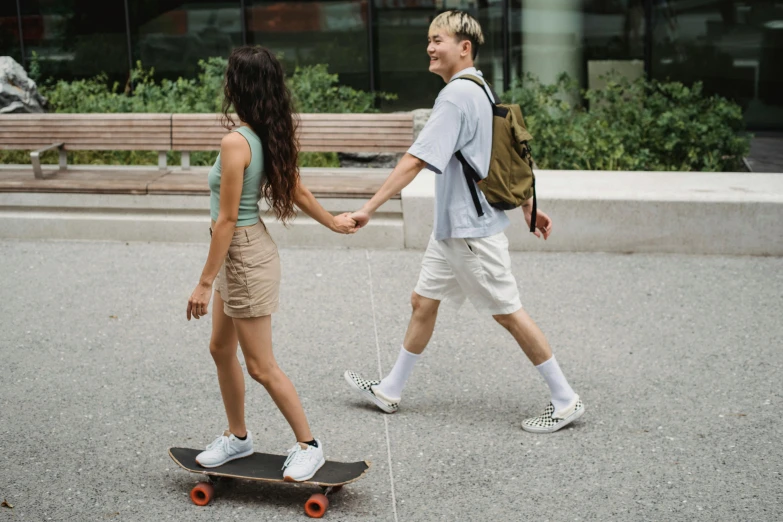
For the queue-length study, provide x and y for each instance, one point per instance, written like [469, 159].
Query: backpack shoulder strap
[478, 81]
[471, 176]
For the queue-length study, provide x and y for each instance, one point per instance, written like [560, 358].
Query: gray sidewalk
[677, 358]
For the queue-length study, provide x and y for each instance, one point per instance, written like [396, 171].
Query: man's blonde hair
[460, 25]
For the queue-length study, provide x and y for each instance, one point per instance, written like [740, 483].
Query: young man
[467, 255]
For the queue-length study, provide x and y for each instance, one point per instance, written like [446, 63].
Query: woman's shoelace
[219, 443]
[295, 456]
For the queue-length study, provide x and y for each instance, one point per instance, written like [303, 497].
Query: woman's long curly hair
[255, 89]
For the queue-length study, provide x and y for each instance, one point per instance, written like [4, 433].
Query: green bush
[200, 94]
[631, 125]
[313, 90]
[316, 91]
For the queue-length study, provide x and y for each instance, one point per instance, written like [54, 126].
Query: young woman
[257, 159]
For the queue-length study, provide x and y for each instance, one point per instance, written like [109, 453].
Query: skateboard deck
[266, 467]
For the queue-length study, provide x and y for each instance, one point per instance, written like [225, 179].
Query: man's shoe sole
[369, 396]
[568, 420]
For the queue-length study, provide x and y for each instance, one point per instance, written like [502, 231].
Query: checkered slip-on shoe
[548, 423]
[364, 387]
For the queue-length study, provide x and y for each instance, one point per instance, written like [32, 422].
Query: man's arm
[407, 169]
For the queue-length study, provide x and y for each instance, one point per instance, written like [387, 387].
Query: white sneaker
[368, 390]
[225, 448]
[302, 464]
[551, 421]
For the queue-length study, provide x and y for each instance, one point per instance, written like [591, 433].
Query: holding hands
[350, 222]
[344, 224]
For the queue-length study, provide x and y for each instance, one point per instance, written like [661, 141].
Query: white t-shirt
[461, 120]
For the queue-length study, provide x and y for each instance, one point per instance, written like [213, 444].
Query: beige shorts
[249, 280]
[478, 269]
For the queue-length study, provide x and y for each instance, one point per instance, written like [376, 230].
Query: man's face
[446, 53]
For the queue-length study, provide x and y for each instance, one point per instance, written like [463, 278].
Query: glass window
[585, 39]
[490, 58]
[401, 53]
[76, 38]
[734, 47]
[547, 39]
[172, 36]
[311, 33]
[402, 62]
[9, 32]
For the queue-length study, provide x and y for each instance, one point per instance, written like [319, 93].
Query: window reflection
[734, 47]
[402, 63]
[172, 36]
[310, 33]
[77, 38]
[9, 31]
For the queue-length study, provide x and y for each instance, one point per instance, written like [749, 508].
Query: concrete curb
[666, 212]
[625, 212]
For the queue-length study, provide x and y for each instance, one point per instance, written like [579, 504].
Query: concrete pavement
[677, 358]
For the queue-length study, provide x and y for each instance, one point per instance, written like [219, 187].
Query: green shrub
[316, 91]
[631, 125]
[313, 90]
[200, 94]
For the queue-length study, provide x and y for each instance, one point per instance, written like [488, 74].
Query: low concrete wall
[667, 212]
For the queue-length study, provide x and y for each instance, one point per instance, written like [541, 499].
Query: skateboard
[265, 467]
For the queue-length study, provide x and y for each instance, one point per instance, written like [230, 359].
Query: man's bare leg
[533, 342]
[418, 335]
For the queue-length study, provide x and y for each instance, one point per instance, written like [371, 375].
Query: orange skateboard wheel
[316, 505]
[202, 493]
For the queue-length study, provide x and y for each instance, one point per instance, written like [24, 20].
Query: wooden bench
[186, 133]
[66, 132]
[317, 133]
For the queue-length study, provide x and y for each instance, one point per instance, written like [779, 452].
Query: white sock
[562, 394]
[391, 386]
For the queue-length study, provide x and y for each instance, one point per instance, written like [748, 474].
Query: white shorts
[476, 268]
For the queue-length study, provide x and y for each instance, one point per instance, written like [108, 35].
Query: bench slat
[84, 135]
[95, 117]
[198, 132]
[353, 183]
[348, 129]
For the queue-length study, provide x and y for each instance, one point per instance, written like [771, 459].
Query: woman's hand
[198, 304]
[344, 224]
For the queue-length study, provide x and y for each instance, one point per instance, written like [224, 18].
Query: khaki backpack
[510, 181]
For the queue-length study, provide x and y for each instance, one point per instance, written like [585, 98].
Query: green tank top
[251, 186]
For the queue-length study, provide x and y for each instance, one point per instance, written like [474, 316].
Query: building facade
[734, 47]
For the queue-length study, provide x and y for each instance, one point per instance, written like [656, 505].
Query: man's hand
[343, 224]
[361, 217]
[543, 222]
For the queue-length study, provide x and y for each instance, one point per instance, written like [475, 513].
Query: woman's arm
[305, 200]
[234, 158]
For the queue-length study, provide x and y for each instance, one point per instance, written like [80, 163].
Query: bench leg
[35, 159]
[185, 160]
[161, 160]
[63, 160]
